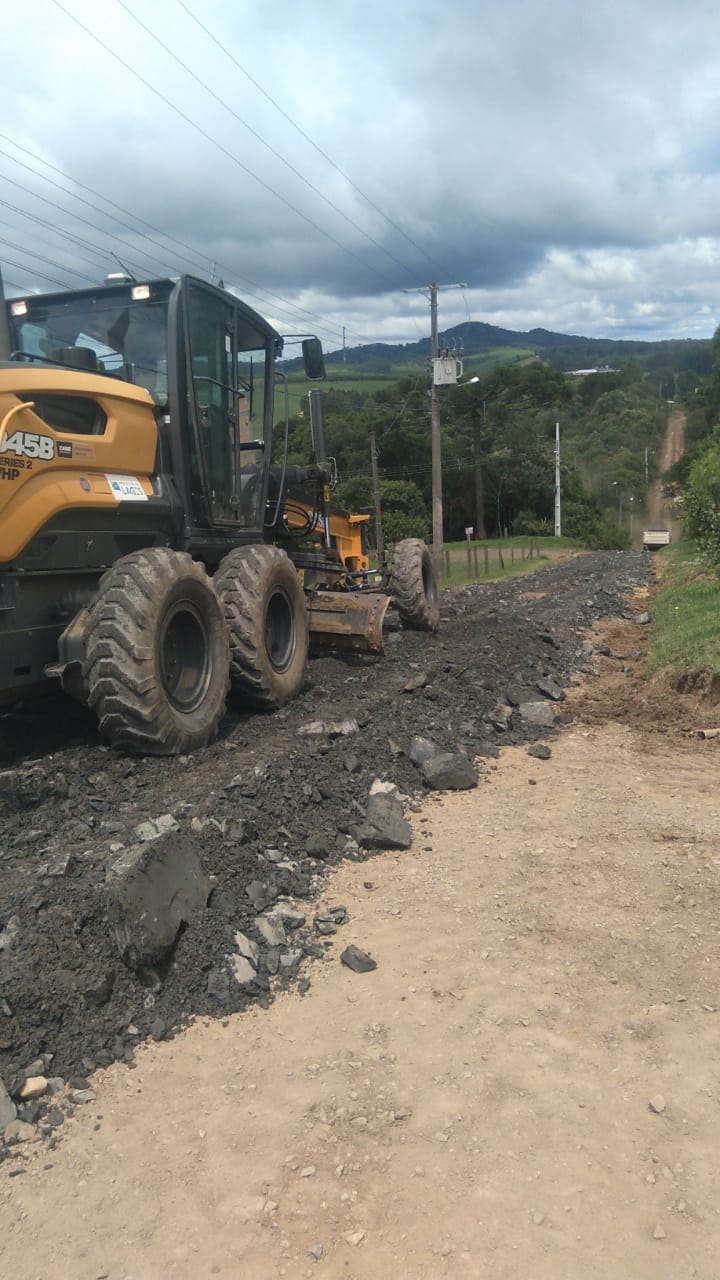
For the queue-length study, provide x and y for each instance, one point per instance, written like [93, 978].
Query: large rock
[540, 713]
[8, 1110]
[385, 825]
[151, 891]
[450, 772]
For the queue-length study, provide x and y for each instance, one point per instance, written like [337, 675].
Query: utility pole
[435, 436]
[558, 521]
[344, 347]
[379, 535]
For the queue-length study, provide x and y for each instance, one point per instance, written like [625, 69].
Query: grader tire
[267, 619]
[157, 657]
[413, 586]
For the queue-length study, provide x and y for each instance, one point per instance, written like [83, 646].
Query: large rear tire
[157, 655]
[267, 619]
[413, 586]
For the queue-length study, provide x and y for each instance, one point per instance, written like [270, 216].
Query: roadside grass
[686, 615]
[505, 558]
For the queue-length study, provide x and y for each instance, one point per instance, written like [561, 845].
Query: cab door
[212, 398]
[229, 355]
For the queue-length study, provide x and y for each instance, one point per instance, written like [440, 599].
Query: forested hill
[561, 350]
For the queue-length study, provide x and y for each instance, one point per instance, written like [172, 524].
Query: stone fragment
[540, 713]
[218, 986]
[355, 1237]
[32, 1087]
[500, 717]
[658, 1232]
[421, 749]
[99, 992]
[153, 828]
[81, 1097]
[245, 964]
[385, 825]
[539, 751]
[8, 1110]
[291, 916]
[642, 619]
[551, 690]
[261, 893]
[357, 960]
[318, 846]
[315, 1252]
[416, 682]
[538, 1219]
[9, 935]
[329, 728]
[657, 1104]
[57, 862]
[151, 891]
[450, 772]
[270, 927]
[19, 1131]
[290, 958]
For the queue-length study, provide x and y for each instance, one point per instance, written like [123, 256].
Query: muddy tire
[157, 658]
[266, 616]
[413, 586]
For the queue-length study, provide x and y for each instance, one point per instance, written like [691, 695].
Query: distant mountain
[562, 350]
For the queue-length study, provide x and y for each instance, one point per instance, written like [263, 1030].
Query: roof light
[140, 292]
[18, 308]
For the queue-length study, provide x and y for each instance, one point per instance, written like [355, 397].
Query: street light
[619, 493]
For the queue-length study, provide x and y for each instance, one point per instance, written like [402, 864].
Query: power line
[218, 145]
[263, 141]
[51, 279]
[48, 261]
[103, 231]
[305, 135]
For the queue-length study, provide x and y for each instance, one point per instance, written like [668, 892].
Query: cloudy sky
[320, 158]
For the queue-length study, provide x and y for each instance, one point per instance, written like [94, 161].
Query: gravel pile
[253, 822]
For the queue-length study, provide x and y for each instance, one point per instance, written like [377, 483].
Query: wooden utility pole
[478, 428]
[379, 535]
[435, 436]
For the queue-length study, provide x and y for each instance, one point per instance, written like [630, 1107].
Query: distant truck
[653, 539]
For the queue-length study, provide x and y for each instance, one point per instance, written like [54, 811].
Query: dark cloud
[562, 161]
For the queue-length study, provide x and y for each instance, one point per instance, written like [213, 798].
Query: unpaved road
[478, 1105]
[659, 511]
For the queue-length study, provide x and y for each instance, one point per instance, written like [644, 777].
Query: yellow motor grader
[153, 556]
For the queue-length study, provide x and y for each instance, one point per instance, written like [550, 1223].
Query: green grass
[512, 552]
[686, 615]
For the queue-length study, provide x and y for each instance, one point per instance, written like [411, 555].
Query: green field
[353, 378]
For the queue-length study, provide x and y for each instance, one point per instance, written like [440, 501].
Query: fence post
[487, 560]
[447, 565]
[469, 562]
[475, 558]
[501, 562]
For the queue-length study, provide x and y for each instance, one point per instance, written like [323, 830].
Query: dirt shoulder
[525, 1085]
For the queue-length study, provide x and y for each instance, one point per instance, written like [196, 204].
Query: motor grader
[157, 551]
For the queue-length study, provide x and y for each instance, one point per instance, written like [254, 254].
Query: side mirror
[313, 359]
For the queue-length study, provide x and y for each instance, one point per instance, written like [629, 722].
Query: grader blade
[347, 621]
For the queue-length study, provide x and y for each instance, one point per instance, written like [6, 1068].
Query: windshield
[103, 333]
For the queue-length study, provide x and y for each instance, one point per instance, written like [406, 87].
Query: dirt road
[659, 511]
[525, 1086]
